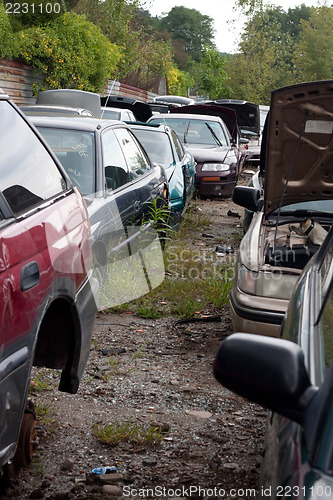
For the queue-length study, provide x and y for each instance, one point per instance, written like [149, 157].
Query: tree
[209, 75]
[7, 39]
[268, 49]
[315, 50]
[111, 16]
[70, 52]
[193, 29]
[179, 82]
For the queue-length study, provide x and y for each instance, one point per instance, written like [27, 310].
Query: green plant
[120, 367]
[41, 382]
[158, 214]
[67, 50]
[116, 433]
[42, 410]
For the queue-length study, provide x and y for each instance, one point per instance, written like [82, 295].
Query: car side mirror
[267, 371]
[243, 140]
[247, 197]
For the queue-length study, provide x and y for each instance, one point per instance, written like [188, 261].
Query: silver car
[295, 213]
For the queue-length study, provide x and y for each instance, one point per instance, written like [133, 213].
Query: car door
[147, 180]
[41, 250]
[121, 193]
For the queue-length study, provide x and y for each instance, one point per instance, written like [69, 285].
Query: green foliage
[7, 39]
[192, 28]
[70, 52]
[315, 50]
[179, 81]
[149, 62]
[210, 74]
[267, 57]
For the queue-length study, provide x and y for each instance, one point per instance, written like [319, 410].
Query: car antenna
[108, 97]
[287, 181]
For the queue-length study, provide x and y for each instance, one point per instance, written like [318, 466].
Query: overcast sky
[227, 22]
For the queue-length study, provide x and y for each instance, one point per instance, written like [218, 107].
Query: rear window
[28, 174]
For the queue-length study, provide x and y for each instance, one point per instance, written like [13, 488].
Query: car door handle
[137, 205]
[29, 276]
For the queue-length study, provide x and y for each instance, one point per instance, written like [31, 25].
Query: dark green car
[293, 377]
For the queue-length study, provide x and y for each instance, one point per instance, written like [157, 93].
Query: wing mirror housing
[267, 371]
[247, 197]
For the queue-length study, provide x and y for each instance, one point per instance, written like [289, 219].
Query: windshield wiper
[306, 213]
[213, 134]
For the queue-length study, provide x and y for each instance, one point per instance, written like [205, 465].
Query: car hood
[208, 153]
[248, 113]
[298, 152]
[226, 114]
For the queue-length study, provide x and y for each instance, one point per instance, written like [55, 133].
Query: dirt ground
[154, 374]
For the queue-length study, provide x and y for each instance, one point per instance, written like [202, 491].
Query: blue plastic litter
[103, 470]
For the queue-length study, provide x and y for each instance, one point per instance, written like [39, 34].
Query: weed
[119, 367]
[116, 433]
[41, 382]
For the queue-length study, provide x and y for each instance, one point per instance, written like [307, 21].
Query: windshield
[157, 146]
[320, 206]
[110, 114]
[196, 131]
[74, 149]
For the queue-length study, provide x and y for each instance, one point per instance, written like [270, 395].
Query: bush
[7, 41]
[71, 52]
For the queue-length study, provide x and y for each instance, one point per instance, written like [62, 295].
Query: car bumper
[209, 185]
[259, 315]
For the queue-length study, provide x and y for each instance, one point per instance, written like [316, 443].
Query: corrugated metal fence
[17, 78]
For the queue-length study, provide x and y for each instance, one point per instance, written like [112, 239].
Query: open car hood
[141, 110]
[299, 145]
[226, 114]
[248, 114]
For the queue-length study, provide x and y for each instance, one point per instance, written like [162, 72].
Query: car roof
[87, 123]
[42, 107]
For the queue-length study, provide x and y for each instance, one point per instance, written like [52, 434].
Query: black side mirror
[267, 371]
[247, 197]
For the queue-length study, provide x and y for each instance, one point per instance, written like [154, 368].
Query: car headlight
[214, 167]
[273, 284]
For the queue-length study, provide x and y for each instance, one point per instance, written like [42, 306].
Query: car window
[178, 145]
[114, 163]
[28, 174]
[157, 145]
[75, 150]
[196, 131]
[136, 159]
[110, 114]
